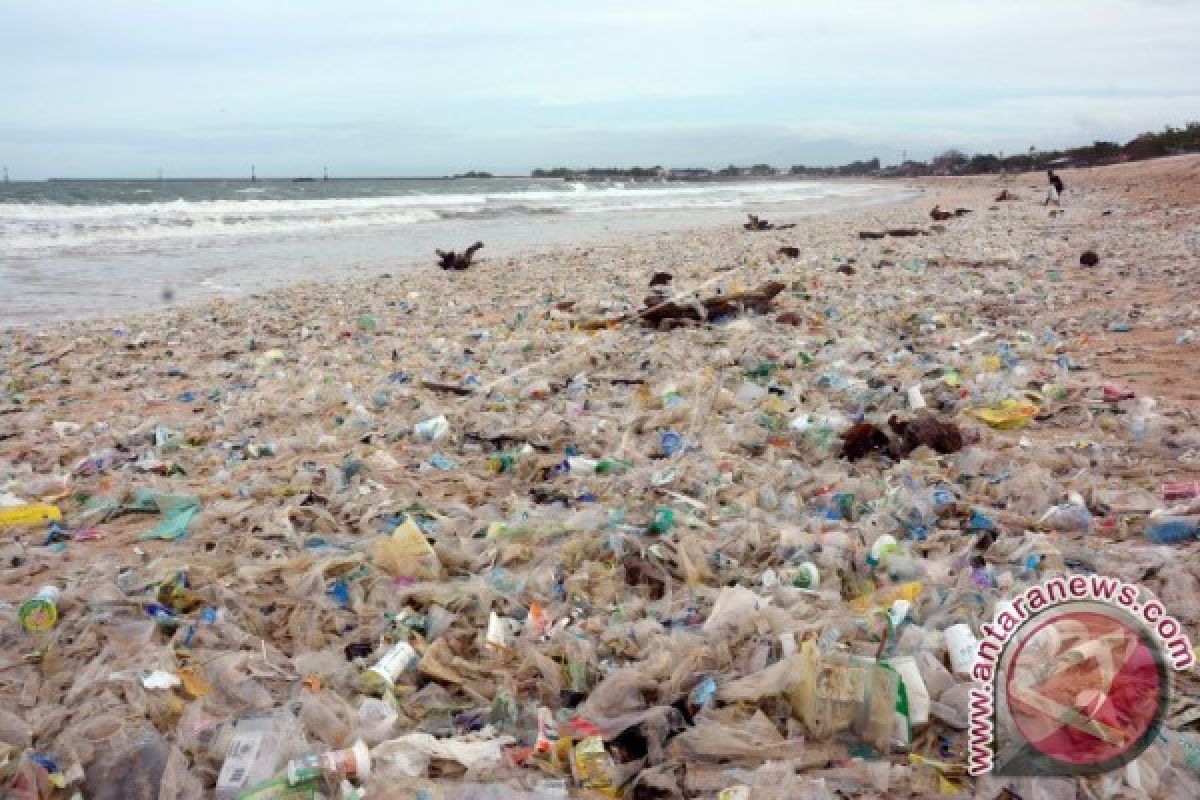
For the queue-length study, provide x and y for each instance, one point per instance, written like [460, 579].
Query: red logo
[1081, 690]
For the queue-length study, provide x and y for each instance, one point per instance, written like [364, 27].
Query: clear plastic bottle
[1070, 516]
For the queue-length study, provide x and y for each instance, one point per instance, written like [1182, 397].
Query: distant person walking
[1054, 193]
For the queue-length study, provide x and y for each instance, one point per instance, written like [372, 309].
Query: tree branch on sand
[458, 261]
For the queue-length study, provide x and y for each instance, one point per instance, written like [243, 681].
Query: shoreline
[1149, 181]
[203, 275]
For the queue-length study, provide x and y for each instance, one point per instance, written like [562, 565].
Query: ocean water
[81, 248]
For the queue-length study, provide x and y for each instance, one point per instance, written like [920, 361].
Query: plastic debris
[512, 540]
[1008, 414]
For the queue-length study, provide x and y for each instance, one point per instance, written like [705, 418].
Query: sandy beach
[289, 416]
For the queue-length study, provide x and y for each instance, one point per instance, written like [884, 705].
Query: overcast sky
[104, 88]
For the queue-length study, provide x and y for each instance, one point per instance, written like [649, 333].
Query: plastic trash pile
[258, 549]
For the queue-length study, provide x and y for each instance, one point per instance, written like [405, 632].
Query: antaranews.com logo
[1073, 678]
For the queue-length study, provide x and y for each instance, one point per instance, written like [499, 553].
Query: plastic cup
[962, 644]
[40, 613]
[383, 674]
[498, 631]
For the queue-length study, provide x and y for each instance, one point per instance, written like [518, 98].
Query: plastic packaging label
[238, 768]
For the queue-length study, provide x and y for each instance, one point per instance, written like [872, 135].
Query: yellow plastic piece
[885, 597]
[29, 514]
[406, 553]
[1008, 414]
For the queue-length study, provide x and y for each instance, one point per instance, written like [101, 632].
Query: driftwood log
[757, 224]
[897, 232]
[668, 314]
[461, 391]
[458, 261]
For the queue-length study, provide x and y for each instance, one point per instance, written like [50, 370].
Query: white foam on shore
[33, 230]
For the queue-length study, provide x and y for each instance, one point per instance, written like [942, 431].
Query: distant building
[689, 174]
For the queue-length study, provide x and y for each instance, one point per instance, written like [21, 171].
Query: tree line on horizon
[1170, 141]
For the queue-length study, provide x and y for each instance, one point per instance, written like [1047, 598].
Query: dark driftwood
[789, 251]
[671, 314]
[461, 391]
[757, 224]
[897, 232]
[937, 215]
[667, 314]
[661, 278]
[458, 261]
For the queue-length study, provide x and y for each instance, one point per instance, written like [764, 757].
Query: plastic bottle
[1173, 530]
[1070, 516]
[353, 763]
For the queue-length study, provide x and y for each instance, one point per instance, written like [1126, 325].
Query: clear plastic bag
[754, 739]
[409, 756]
[327, 719]
[835, 693]
[132, 770]
[15, 731]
